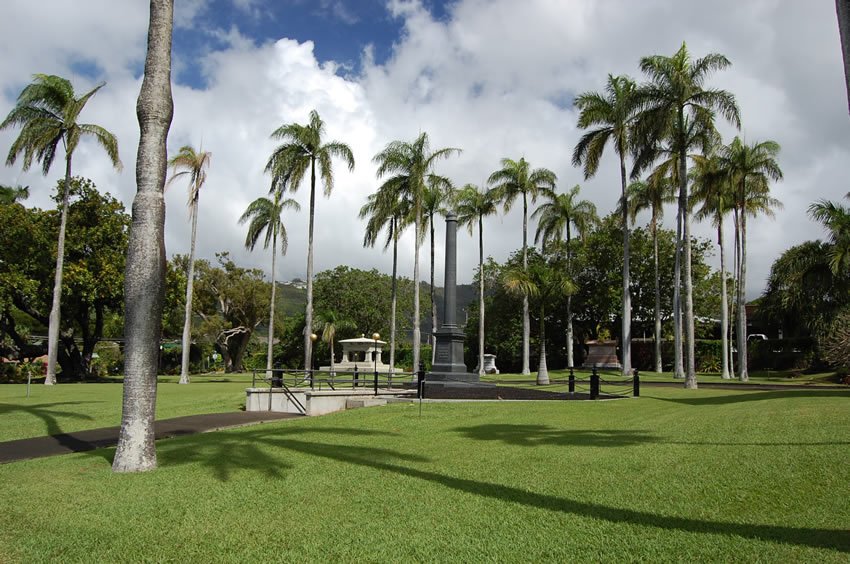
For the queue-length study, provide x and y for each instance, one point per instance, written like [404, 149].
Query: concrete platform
[306, 401]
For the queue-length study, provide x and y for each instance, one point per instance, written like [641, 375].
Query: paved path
[80, 441]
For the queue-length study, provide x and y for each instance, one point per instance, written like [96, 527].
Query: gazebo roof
[362, 341]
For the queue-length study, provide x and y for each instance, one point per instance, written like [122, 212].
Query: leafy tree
[612, 116]
[302, 150]
[540, 281]
[675, 103]
[47, 111]
[751, 168]
[191, 163]
[836, 219]
[264, 215]
[472, 205]
[329, 322]
[145, 273]
[515, 179]
[558, 217]
[10, 195]
[409, 168]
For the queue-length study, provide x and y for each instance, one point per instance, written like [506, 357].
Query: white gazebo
[363, 353]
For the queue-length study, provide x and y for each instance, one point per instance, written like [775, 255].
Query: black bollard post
[572, 381]
[356, 377]
[636, 383]
[376, 382]
[594, 384]
[420, 377]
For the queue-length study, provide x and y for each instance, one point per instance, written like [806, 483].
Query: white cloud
[493, 77]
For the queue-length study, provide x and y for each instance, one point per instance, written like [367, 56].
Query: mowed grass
[65, 408]
[676, 475]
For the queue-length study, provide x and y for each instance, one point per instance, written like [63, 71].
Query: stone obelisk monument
[448, 356]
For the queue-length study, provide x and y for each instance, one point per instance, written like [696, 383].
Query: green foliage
[835, 343]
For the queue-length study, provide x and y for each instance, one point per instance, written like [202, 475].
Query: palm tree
[714, 190]
[302, 150]
[409, 168]
[144, 277]
[472, 205]
[433, 202]
[10, 195]
[836, 219]
[674, 104]
[191, 163]
[543, 282]
[47, 111]
[264, 215]
[517, 178]
[329, 322]
[558, 217]
[750, 168]
[612, 116]
[387, 209]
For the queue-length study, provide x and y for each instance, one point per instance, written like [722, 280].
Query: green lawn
[677, 475]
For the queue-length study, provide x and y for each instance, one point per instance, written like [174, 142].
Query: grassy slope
[675, 475]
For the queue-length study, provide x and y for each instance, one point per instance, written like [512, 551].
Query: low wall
[315, 402]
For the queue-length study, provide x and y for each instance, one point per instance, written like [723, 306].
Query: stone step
[354, 403]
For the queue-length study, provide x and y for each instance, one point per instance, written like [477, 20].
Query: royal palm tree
[674, 103]
[47, 111]
[836, 219]
[558, 217]
[302, 151]
[144, 277]
[514, 179]
[10, 195]
[542, 282]
[387, 209]
[329, 322]
[264, 216]
[751, 168]
[611, 115]
[409, 167]
[433, 202]
[472, 205]
[191, 163]
[713, 189]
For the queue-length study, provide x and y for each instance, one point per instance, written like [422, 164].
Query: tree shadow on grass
[536, 435]
[48, 413]
[264, 450]
[748, 396]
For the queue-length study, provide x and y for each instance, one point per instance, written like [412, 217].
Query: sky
[495, 78]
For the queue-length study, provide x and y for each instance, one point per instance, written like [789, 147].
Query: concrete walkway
[80, 441]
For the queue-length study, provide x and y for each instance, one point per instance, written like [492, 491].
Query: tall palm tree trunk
[270, 348]
[627, 296]
[308, 313]
[431, 338]
[56, 307]
[742, 305]
[393, 298]
[736, 271]
[658, 363]
[690, 366]
[480, 295]
[542, 369]
[190, 285]
[678, 365]
[526, 320]
[145, 270]
[416, 312]
[570, 357]
[724, 308]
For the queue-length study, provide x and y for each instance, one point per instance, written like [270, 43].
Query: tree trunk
[678, 366]
[743, 374]
[432, 336]
[526, 320]
[394, 296]
[190, 285]
[270, 348]
[659, 367]
[542, 370]
[480, 295]
[627, 295]
[308, 314]
[332, 357]
[690, 366]
[144, 280]
[55, 309]
[416, 312]
[736, 271]
[724, 309]
[570, 356]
